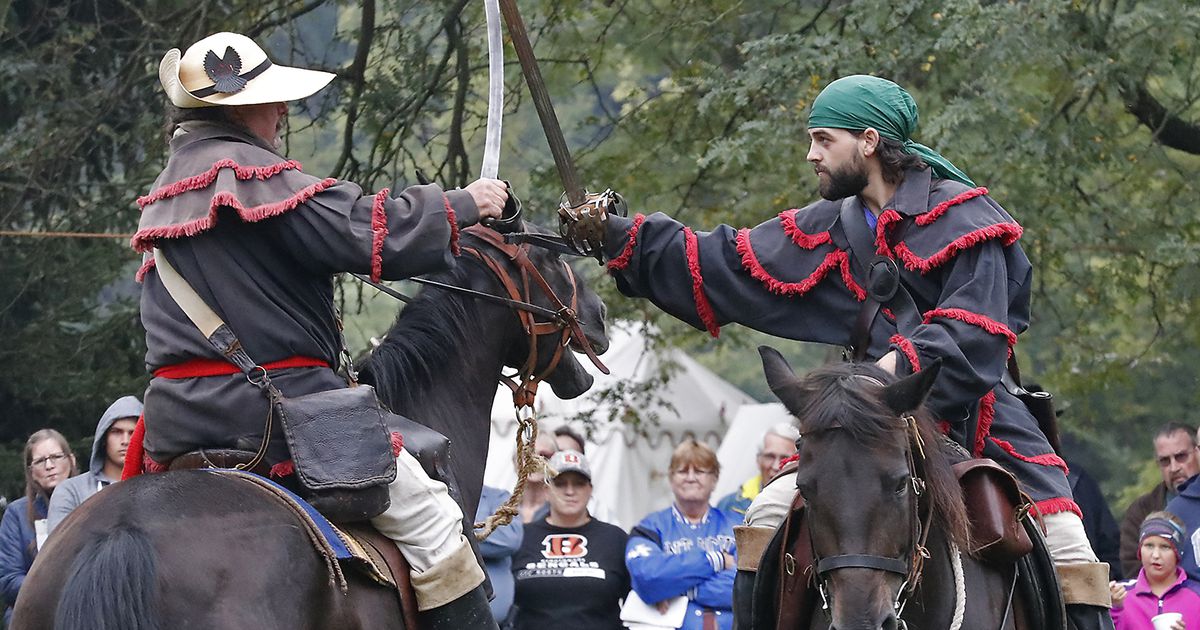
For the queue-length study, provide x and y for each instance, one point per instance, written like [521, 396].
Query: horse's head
[566, 377]
[871, 475]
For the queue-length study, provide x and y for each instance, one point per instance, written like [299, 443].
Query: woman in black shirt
[570, 567]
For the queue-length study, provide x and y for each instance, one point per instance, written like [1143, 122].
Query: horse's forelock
[836, 396]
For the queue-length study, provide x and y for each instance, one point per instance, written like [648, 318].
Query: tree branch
[357, 74]
[1167, 128]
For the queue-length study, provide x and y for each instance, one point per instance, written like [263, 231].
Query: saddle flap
[995, 507]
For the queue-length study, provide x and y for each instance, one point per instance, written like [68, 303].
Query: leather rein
[910, 564]
[560, 319]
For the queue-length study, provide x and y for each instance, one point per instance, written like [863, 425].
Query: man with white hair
[259, 241]
[777, 445]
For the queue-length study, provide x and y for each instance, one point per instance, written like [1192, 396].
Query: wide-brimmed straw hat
[230, 69]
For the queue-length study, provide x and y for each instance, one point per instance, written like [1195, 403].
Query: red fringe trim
[832, 260]
[135, 452]
[1008, 233]
[147, 265]
[397, 443]
[379, 230]
[1049, 459]
[944, 427]
[940, 209]
[799, 237]
[910, 352]
[1058, 505]
[992, 326]
[144, 239]
[454, 246]
[703, 308]
[848, 278]
[622, 261]
[882, 226]
[205, 179]
[795, 457]
[151, 466]
[987, 413]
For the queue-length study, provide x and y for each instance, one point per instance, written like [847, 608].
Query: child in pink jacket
[1161, 585]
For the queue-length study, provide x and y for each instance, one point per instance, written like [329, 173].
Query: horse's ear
[909, 393]
[780, 378]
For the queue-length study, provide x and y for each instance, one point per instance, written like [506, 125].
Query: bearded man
[259, 241]
[796, 276]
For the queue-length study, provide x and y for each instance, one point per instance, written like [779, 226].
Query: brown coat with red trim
[792, 276]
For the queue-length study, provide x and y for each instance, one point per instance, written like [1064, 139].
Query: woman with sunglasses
[48, 462]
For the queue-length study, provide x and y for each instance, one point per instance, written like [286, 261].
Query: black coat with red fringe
[259, 240]
[793, 277]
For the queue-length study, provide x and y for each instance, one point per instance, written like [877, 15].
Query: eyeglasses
[773, 457]
[698, 472]
[52, 460]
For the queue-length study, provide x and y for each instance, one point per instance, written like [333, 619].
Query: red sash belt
[218, 367]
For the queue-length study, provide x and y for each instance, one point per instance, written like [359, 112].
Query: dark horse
[195, 549]
[865, 439]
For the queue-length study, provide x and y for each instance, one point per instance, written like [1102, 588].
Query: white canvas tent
[741, 443]
[628, 469]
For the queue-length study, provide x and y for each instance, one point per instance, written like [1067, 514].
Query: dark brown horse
[195, 549]
[878, 488]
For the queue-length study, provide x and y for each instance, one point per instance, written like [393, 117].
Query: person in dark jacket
[48, 463]
[1098, 521]
[259, 241]
[800, 276]
[1178, 460]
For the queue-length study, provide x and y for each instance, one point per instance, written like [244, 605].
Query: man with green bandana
[801, 275]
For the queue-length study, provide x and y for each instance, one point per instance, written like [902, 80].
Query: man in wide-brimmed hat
[259, 241]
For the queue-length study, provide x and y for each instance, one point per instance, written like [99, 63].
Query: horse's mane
[838, 395]
[425, 332]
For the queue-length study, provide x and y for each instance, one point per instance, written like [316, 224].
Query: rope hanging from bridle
[528, 462]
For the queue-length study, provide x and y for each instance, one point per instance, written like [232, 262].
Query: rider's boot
[751, 542]
[470, 611]
[743, 600]
[450, 594]
[1086, 595]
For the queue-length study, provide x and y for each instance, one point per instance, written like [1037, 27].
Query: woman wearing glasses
[48, 462]
[687, 549]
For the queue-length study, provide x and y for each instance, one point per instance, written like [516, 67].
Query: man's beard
[844, 182]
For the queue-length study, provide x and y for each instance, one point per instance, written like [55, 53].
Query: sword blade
[541, 101]
[495, 113]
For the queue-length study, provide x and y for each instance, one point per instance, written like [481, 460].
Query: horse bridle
[909, 565]
[564, 319]
[561, 319]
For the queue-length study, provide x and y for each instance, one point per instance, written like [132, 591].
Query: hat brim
[277, 84]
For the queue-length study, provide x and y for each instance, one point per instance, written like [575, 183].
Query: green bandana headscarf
[860, 101]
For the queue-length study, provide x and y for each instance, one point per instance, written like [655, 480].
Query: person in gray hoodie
[108, 457]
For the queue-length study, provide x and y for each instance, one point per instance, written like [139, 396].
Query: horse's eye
[903, 485]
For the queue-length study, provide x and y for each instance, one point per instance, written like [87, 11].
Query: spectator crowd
[563, 558]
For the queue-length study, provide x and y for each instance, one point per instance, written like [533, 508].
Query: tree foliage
[1079, 116]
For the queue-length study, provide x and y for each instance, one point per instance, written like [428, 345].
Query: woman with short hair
[48, 462]
[687, 549]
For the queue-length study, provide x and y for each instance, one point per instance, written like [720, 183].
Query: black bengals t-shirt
[574, 575]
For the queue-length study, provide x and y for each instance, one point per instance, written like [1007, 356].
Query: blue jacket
[498, 550]
[17, 549]
[1186, 505]
[668, 557]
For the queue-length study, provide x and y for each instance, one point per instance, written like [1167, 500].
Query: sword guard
[583, 225]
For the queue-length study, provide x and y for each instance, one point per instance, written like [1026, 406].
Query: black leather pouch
[341, 450]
